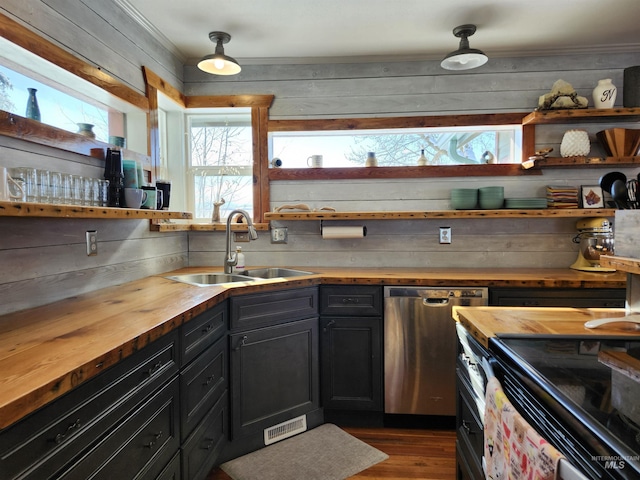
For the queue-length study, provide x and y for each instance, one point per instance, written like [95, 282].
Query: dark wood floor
[413, 454]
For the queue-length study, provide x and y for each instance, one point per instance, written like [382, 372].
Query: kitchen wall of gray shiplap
[44, 259]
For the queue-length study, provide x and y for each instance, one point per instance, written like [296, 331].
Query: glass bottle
[422, 160]
[33, 111]
[371, 161]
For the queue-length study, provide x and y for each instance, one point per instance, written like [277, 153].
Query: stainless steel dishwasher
[420, 346]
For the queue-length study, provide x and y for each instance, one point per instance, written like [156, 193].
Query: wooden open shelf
[546, 117]
[417, 215]
[19, 209]
[587, 161]
[160, 226]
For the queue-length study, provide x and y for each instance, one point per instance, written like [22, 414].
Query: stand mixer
[595, 237]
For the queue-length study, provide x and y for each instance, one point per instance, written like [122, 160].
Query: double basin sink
[217, 278]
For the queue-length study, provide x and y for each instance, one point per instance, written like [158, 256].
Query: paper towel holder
[364, 228]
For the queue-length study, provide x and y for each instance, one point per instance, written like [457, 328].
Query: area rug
[324, 453]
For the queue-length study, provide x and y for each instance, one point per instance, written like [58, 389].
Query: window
[400, 146]
[220, 170]
[57, 108]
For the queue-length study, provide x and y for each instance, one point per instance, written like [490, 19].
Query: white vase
[575, 143]
[604, 95]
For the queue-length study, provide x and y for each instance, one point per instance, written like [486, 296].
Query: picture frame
[591, 196]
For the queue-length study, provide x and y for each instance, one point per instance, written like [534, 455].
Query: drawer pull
[207, 328]
[208, 380]
[242, 343]
[347, 300]
[59, 438]
[155, 440]
[209, 444]
[328, 326]
[467, 427]
[155, 368]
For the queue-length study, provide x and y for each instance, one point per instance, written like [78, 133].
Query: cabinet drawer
[201, 385]
[558, 297]
[271, 308]
[201, 450]
[351, 300]
[203, 330]
[144, 442]
[45, 441]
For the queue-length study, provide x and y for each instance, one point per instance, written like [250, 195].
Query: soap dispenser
[239, 260]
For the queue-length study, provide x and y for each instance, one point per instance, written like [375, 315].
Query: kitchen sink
[208, 279]
[275, 272]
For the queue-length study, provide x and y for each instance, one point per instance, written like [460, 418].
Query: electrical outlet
[92, 242]
[241, 237]
[445, 234]
[279, 235]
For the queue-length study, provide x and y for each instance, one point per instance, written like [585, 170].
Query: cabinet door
[351, 363]
[274, 375]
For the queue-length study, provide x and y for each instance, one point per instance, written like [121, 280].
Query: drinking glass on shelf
[76, 189]
[55, 187]
[87, 185]
[67, 189]
[104, 193]
[29, 178]
[44, 195]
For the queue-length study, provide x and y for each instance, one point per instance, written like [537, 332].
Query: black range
[569, 389]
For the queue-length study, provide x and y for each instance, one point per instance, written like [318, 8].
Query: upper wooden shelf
[416, 215]
[19, 209]
[587, 161]
[160, 226]
[541, 117]
[623, 264]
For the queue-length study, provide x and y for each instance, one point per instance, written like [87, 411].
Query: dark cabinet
[351, 347]
[469, 434]
[80, 424]
[204, 391]
[558, 297]
[275, 375]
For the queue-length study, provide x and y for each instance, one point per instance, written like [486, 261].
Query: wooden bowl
[620, 142]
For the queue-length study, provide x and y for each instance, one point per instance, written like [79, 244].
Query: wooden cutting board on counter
[486, 322]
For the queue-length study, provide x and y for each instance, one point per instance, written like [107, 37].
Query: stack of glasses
[44, 186]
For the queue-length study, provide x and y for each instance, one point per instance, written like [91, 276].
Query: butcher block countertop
[484, 323]
[47, 351]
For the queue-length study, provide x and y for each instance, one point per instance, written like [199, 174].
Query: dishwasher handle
[433, 302]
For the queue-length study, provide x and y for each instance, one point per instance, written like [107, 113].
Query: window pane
[221, 163]
[57, 109]
[399, 147]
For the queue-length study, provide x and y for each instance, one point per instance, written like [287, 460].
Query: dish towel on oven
[513, 450]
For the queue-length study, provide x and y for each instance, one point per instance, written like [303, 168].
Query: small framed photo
[591, 196]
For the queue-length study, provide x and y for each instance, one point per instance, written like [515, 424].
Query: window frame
[365, 123]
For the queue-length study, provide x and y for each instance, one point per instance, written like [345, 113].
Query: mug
[165, 187]
[134, 197]
[151, 201]
[6, 185]
[159, 199]
[314, 161]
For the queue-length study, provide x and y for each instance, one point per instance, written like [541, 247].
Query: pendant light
[218, 63]
[464, 58]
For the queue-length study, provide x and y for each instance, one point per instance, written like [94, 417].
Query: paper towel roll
[344, 232]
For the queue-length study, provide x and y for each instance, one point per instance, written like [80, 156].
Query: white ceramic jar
[604, 95]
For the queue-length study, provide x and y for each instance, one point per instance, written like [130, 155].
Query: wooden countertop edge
[184, 303]
[484, 323]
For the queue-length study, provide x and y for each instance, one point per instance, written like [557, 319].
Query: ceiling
[303, 31]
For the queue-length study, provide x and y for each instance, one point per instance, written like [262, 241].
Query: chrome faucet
[230, 258]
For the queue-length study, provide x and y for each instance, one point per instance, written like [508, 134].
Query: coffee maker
[595, 236]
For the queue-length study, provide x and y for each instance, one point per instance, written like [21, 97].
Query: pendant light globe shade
[464, 58]
[218, 63]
